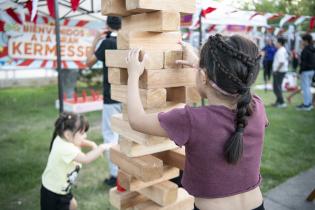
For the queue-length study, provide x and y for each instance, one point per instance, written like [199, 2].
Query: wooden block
[175, 158]
[131, 183]
[170, 57]
[145, 168]
[167, 78]
[132, 149]
[169, 106]
[160, 21]
[186, 6]
[184, 201]
[150, 98]
[154, 79]
[125, 200]
[117, 76]
[115, 8]
[123, 128]
[164, 193]
[117, 58]
[149, 40]
[187, 95]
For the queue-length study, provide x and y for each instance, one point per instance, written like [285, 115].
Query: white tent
[87, 10]
[227, 15]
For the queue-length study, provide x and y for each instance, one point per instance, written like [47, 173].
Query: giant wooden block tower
[147, 163]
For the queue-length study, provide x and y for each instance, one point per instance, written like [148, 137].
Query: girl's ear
[68, 135]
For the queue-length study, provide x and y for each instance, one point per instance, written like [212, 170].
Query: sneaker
[303, 107]
[111, 181]
[281, 106]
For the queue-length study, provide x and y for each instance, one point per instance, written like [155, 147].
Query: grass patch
[27, 116]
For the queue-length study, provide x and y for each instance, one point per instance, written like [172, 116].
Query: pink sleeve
[176, 123]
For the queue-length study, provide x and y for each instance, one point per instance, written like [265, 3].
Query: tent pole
[200, 45]
[58, 54]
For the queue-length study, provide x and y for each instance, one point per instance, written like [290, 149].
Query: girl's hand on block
[191, 58]
[135, 63]
[106, 146]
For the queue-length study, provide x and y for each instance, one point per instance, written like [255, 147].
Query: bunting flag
[34, 9]
[255, 14]
[51, 7]
[75, 4]
[312, 23]
[271, 16]
[20, 11]
[285, 19]
[299, 20]
[211, 28]
[29, 7]
[204, 12]
[13, 15]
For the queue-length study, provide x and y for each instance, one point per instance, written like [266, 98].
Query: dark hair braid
[240, 72]
[69, 121]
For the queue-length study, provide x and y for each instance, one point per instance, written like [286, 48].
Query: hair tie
[240, 130]
[244, 90]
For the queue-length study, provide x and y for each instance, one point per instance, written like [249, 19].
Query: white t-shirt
[61, 171]
[281, 56]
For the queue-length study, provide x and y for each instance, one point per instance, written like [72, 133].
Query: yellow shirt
[61, 170]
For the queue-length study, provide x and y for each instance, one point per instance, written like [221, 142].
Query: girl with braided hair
[65, 160]
[223, 140]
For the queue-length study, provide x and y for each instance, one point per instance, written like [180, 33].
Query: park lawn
[27, 116]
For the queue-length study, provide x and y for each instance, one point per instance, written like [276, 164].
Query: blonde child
[223, 140]
[65, 160]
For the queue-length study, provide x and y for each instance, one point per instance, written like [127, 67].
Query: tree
[294, 7]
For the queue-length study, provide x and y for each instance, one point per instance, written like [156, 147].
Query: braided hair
[69, 121]
[232, 63]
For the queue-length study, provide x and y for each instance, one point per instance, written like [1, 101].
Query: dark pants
[267, 70]
[277, 86]
[53, 201]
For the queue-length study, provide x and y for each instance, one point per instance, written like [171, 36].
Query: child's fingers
[129, 55]
[145, 56]
[134, 54]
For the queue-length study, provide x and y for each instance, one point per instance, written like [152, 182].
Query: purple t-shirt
[203, 131]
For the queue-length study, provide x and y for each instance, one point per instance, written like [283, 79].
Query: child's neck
[219, 100]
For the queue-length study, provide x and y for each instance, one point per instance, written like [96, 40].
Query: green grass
[27, 116]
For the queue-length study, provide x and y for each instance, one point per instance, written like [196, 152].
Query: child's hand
[191, 58]
[135, 66]
[105, 147]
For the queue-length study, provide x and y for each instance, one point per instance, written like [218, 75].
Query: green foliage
[294, 7]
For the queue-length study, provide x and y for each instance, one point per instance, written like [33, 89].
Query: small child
[64, 161]
[223, 140]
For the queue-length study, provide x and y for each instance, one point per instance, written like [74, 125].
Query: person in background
[279, 68]
[269, 52]
[65, 161]
[111, 107]
[307, 69]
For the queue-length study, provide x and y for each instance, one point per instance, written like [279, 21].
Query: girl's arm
[138, 119]
[90, 156]
[88, 143]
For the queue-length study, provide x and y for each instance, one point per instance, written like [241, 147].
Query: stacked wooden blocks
[147, 163]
